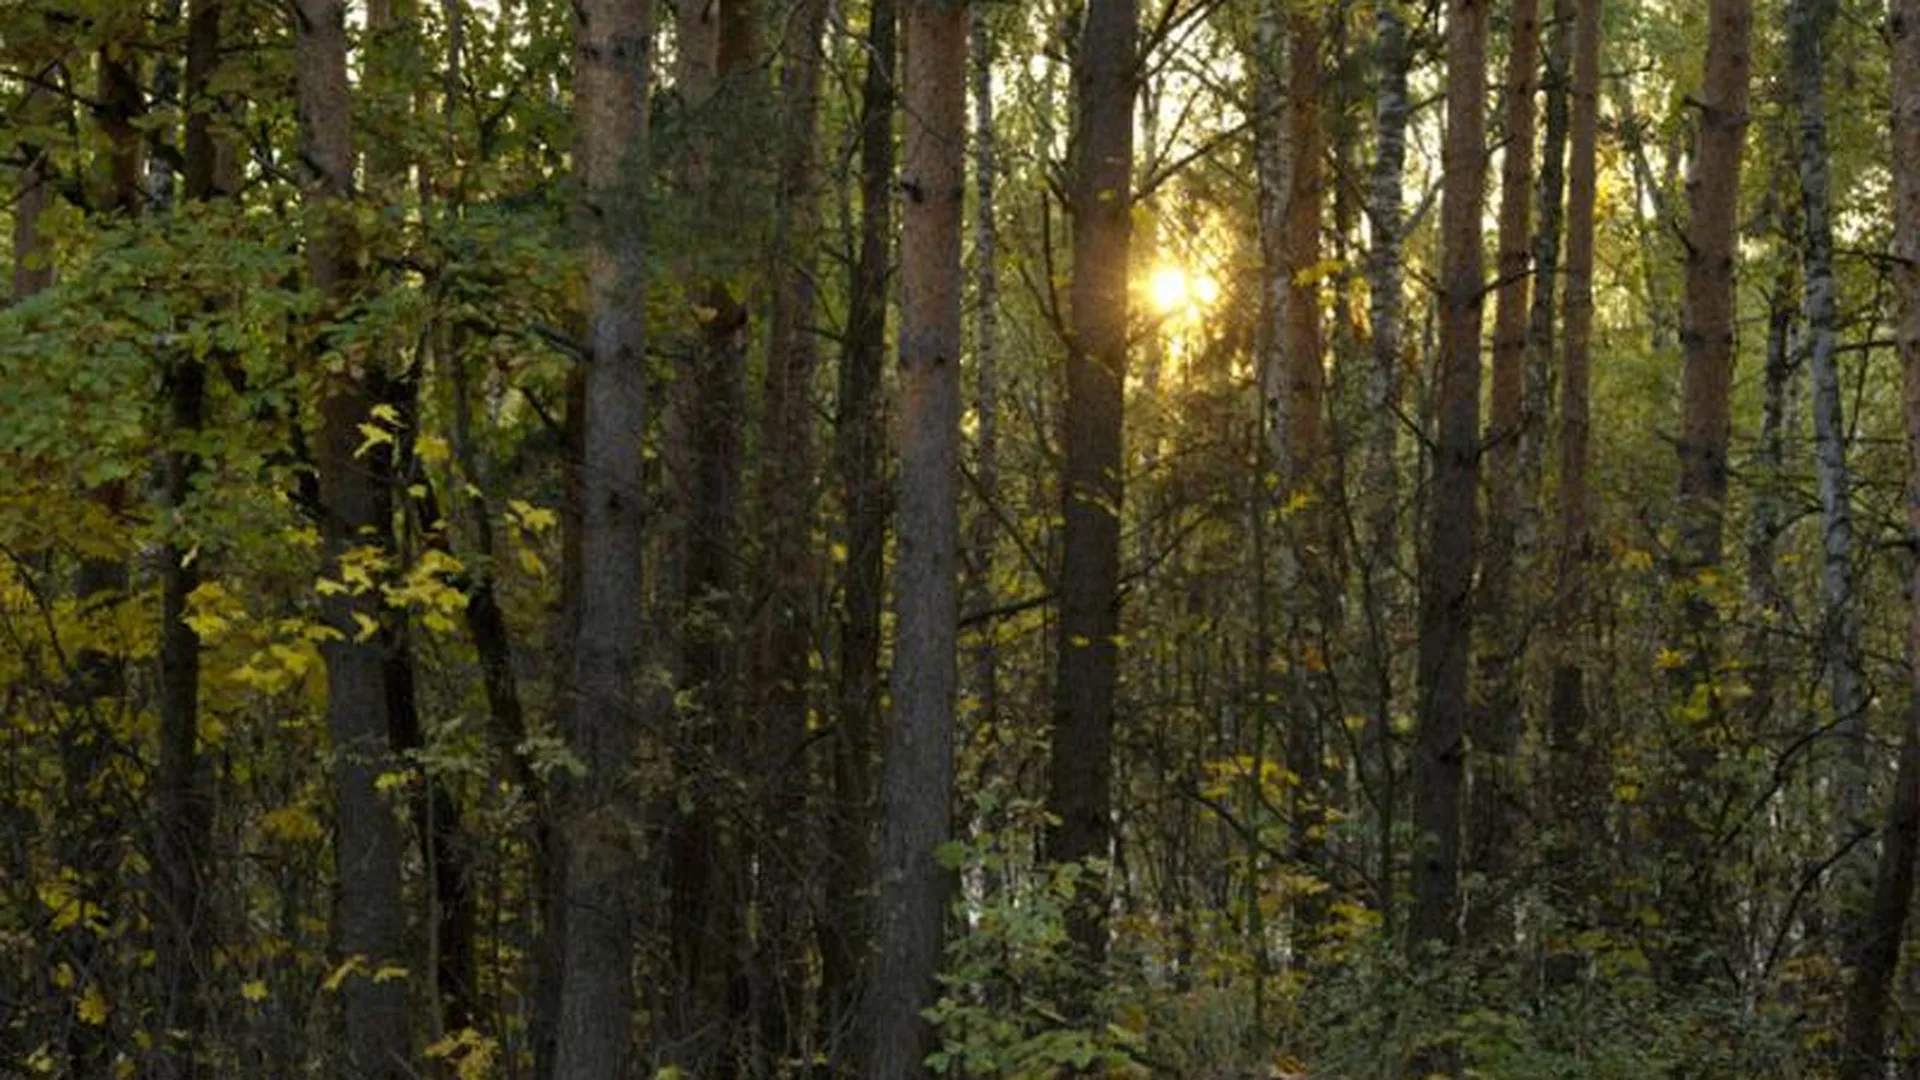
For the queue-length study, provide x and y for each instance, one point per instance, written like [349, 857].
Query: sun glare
[1174, 290]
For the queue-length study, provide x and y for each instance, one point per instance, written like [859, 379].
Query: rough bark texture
[860, 462]
[917, 785]
[1080, 777]
[596, 826]
[1877, 936]
[1689, 896]
[1576, 751]
[1380, 565]
[1808, 21]
[1494, 816]
[1446, 572]
[706, 1010]
[367, 845]
[787, 500]
[185, 805]
[1550, 194]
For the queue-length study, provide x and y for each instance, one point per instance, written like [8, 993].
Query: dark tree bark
[860, 462]
[185, 804]
[1494, 814]
[1080, 779]
[1876, 938]
[367, 847]
[784, 631]
[1380, 564]
[917, 784]
[1576, 751]
[596, 828]
[708, 1007]
[1446, 572]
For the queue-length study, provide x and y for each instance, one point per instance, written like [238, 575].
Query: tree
[917, 782]
[1707, 342]
[1875, 937]
[1080, 779]
[1446, 570]
[596, 995]
[859, 458]
[354, 527]
[1494, 814]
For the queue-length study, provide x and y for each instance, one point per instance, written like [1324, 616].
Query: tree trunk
[1877, 936]
[1690, 897]
[1380, 566]
[708, 1004]
[1446, 573]
[1494, 814]
[1807, 25]
[784, 630]
[917, 784]
[185, 803]
[1080, 777]
[1577, 754]
[860, 461]
[367, 848]
[611, 40]
[1550, 193]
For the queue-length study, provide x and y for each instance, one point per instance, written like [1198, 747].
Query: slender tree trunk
[1080, 778]
[917, 785]
[32, 265]
[784, 631]
[986, 352]
[859, 458]
[1577, 751]
[1807, 24]
[1877, 935]
[184, 820]
[611, 40]
[709, 1005]
[1380, 573]
[367, 847]
[1550, 193]
[1690, 898]
[1446, 573]
[1494, 816]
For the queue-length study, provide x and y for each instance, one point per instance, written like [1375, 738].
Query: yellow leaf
[371, 437]
[347, 967]
[92, 1008]
[1670, 659]
[63, 976]
[389, 973]
[386, 414]
[367, 624]
[254, 990]
[41, 1060]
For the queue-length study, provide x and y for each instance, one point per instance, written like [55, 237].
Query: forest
[898, 539]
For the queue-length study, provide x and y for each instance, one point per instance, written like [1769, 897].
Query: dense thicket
[895, 538]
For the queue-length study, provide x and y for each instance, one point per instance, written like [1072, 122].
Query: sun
[1174, 290]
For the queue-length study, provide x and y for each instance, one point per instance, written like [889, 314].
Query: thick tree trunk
[1080, 778]
[1689, 896]
[983, 529]
[1494, 815]
[1808, 21]
[917, 785]
[1446, 573]
[611, 40]
[860, 461]
[1877, 936]
[367, 847]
